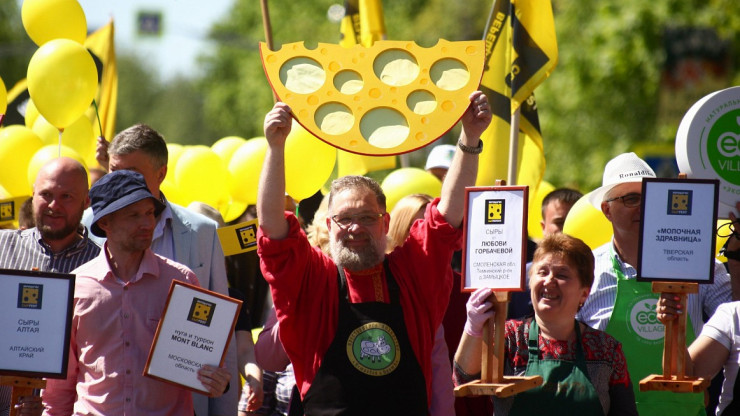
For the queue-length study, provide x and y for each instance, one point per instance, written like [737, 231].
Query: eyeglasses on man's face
[364, 219]
[630, 200]
[726, 230]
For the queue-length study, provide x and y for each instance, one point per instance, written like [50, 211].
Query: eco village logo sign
[708, 144]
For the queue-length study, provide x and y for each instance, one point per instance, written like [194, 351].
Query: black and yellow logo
[30, 296]
[201, 312]
[679, 202]
[7, 211]
[247, 236]
[494, 211]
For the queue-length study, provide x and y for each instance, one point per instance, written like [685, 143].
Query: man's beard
[357, 258]
[53, 235]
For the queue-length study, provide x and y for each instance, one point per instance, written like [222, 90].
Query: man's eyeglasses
[726, 230]
[345, 221]
[629, 200]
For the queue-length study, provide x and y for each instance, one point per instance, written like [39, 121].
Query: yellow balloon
[588, 223]
[3, 98]
[308, 163]
[32, 113]
[534, 228]
[173, 194]
[62, 81]
[168, 186]
[78, 136]
[234, 211]
[45, 20]
[226, 147]
[407, 181]
[47, 153]
[200, 175]
[245, 167]
[48, 133]
[18, 144]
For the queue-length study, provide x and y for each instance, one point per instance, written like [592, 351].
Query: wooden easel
[674, 348]
[22, 386]
[493, 382]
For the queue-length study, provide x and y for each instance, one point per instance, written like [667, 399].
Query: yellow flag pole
[514, 146]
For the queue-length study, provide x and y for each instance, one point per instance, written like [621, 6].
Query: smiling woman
[565, 352]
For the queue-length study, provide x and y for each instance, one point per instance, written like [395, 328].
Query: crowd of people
[367, 315]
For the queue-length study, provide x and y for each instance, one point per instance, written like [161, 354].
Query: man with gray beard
[359, 326]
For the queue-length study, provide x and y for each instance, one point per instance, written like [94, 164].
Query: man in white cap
[617, 300]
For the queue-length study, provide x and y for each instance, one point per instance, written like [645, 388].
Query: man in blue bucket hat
[119, 299]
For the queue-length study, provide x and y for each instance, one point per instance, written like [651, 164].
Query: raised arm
[464, 167]
[271, 192]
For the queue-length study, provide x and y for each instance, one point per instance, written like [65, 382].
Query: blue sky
[185, 26]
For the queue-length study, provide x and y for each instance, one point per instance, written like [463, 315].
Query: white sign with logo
[35, 317]
[708, 144]
[677, 230]
[495, 235]
[195, 330]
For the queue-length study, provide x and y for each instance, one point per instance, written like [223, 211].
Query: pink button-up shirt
[112, 330]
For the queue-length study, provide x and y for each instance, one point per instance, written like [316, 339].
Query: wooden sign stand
[674, 348]
[21, 387]
[674, 344]
[493, 382]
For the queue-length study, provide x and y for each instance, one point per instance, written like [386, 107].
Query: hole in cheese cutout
[393, 97]
[302, 75]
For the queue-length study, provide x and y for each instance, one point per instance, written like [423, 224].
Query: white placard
[677, 232]
[195, 330]
[495, 227]
[35, 317]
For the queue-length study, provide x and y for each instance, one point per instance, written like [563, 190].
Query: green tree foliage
[173, 107]
[602, 99]
[16, 47]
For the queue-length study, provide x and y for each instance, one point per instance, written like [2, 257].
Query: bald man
[58, 243]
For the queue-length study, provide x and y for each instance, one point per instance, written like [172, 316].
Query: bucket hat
[118, 190]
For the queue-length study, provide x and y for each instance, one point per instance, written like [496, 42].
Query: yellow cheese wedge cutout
[393, 97]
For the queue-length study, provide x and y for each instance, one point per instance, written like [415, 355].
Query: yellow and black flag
[101, 46]
[363, 24]
[521, 52]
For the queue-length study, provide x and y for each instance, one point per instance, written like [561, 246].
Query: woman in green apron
[583, 369]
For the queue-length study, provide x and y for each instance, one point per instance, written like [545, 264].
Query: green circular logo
[373, 349]
[723, 146]
[644, 321]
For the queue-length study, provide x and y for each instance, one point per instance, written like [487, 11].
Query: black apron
[370, 367]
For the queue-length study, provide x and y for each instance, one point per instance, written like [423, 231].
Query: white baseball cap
[440, 156]
[625, 168]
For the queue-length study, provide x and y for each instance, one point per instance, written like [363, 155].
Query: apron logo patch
[373, 349]
[644, 320]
